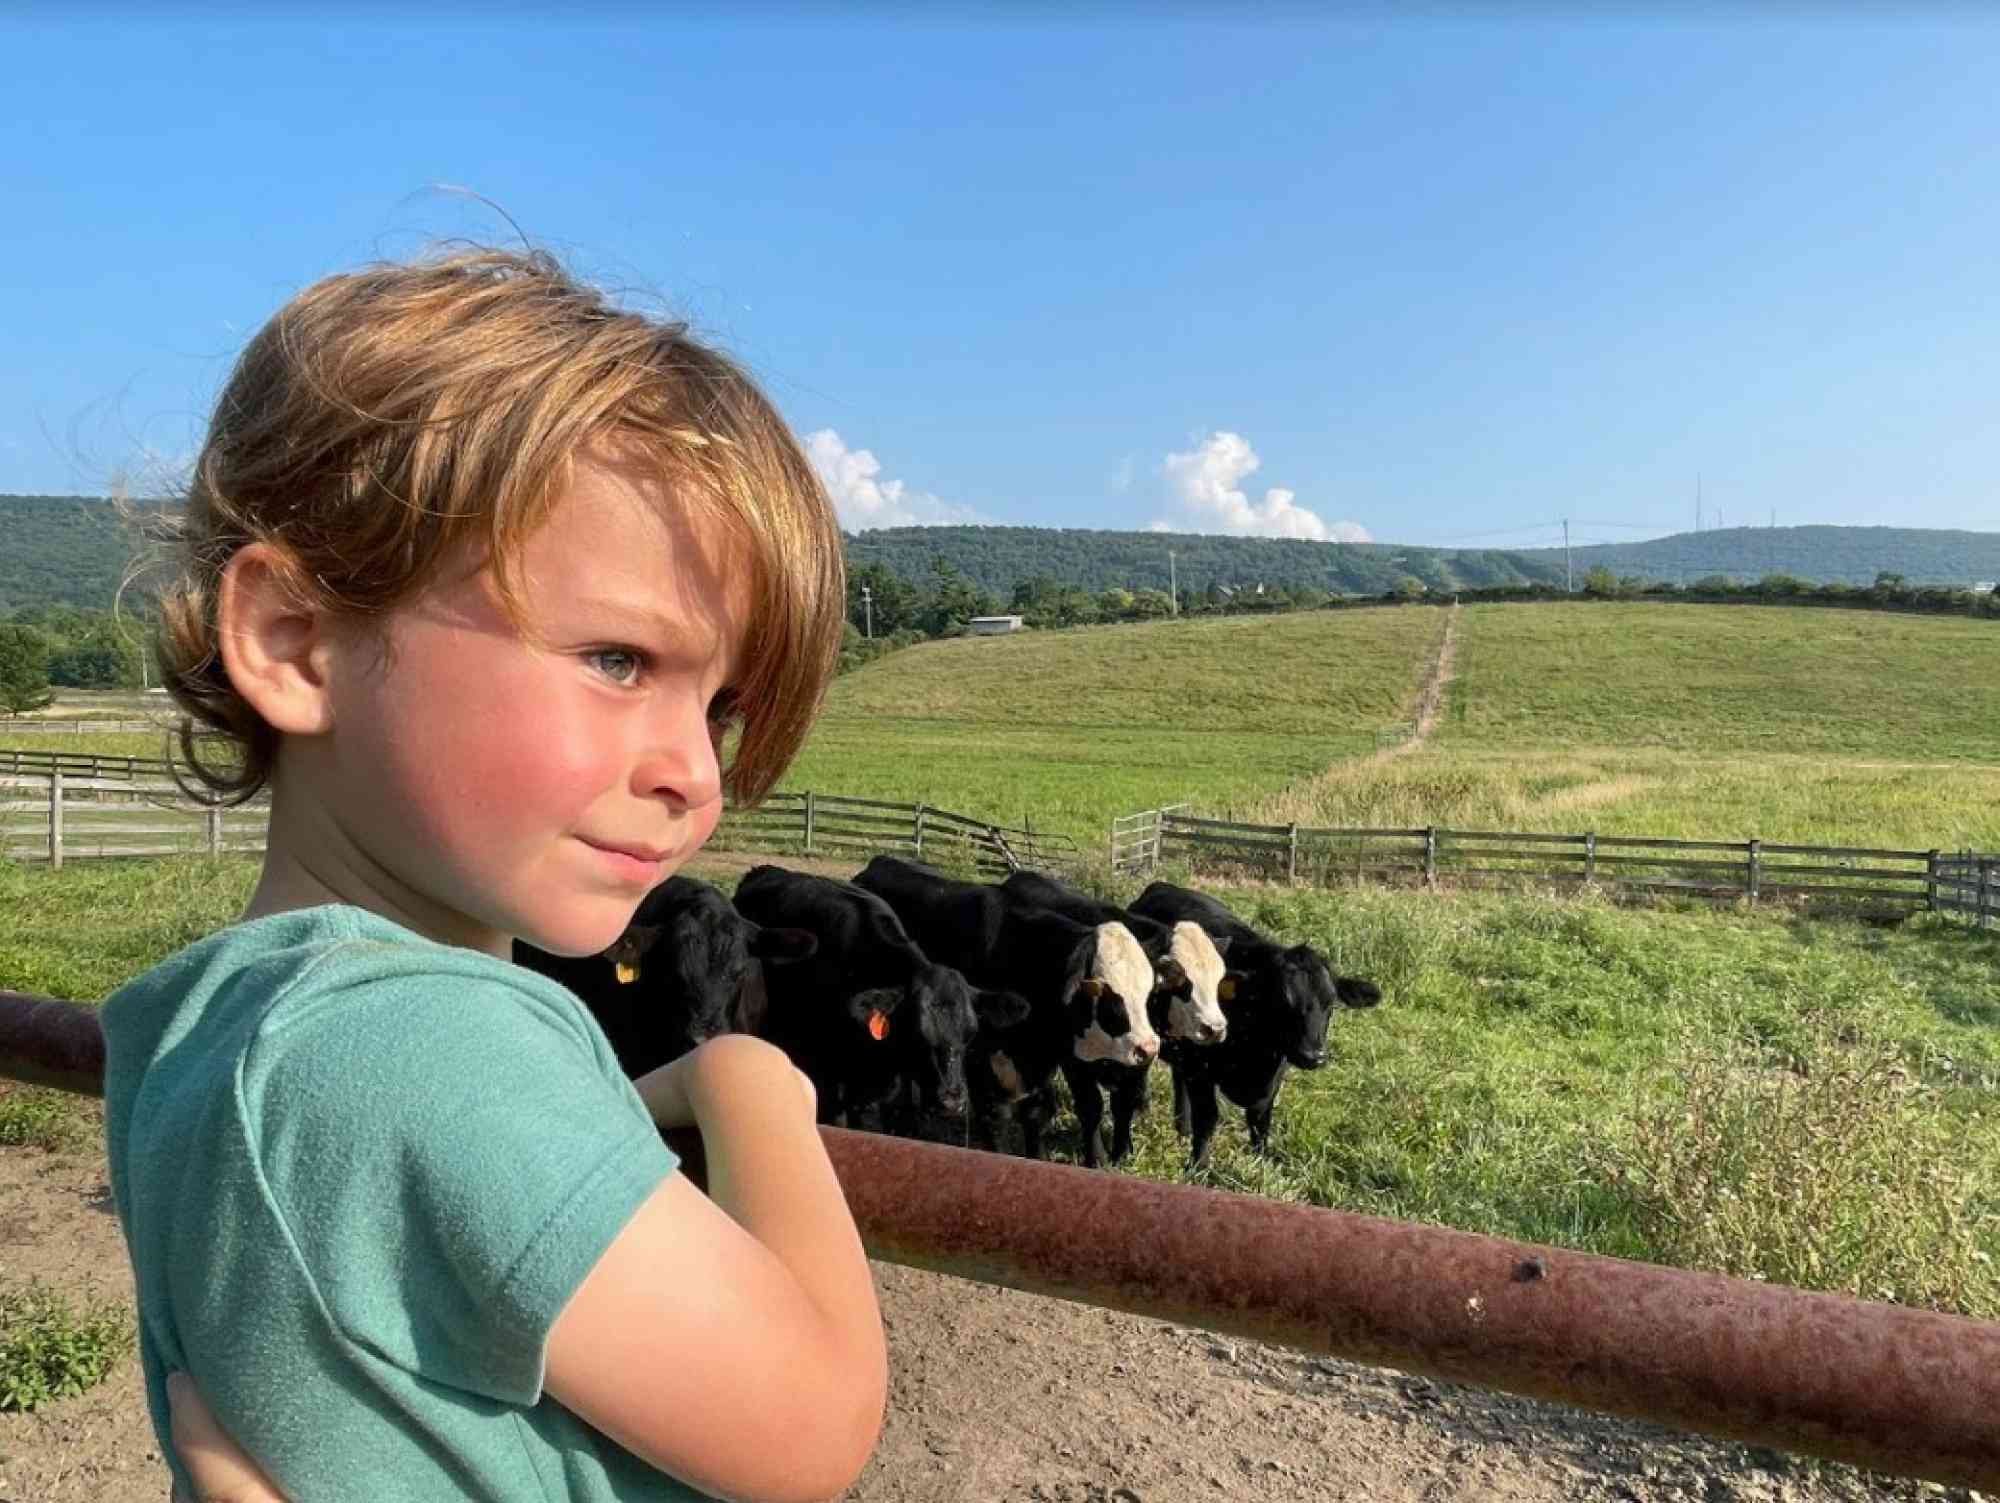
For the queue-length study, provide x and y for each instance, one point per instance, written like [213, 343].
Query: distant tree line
[899, 613]
[48, 647]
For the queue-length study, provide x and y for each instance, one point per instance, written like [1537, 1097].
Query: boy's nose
[681, 766]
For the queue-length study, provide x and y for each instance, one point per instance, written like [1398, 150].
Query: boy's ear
[275, 646]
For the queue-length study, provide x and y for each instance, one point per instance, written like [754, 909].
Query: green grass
[34, 1118]
[1563, 1071]
[1073, 728]
[1664, 1083]
[84, 931]
[50, 1349]
[1720, 679]
[152, 747]
[1788, 799]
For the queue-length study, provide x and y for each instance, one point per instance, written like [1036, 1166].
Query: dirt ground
[1004, 1396]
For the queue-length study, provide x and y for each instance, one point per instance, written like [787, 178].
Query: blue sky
[1424, 275]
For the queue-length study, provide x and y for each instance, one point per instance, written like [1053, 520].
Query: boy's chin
[581, 938]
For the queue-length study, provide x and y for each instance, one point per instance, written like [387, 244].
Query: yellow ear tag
[1227, 989]
[878, 1025]
[627, 973]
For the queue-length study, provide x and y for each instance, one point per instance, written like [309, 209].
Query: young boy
[480, 576]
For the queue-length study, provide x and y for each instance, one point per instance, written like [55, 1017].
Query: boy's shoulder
[251, 983]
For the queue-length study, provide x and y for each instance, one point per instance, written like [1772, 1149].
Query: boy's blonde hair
[384, 417]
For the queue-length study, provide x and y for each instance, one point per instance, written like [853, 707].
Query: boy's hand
[666, 1090]
[222, 1472]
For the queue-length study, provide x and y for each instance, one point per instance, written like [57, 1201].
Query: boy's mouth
[638, 861]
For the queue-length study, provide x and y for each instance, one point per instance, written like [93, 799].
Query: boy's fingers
[221, 1471]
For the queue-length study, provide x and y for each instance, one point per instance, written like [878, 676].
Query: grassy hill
[1069, 729]
[1716, 722]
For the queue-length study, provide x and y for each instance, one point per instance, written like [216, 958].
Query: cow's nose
[953, 1102]
[1212, 1033]
[1147, 1049]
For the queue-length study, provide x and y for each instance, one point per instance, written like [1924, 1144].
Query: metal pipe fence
[1876, 1385]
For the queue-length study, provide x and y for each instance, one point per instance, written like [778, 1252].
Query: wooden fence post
[55, 818]
[1753, 873]
[919, 831]
[1590, 857]
[1985, 891]
[1292, 852]
[1931, 880]
[1430, 855]
[215, 829]
[809, 822]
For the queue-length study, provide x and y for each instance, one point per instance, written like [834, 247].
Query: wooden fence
[82, 726]
[51, 811]
[54, 817]
[827, 824]
[1968, 882]
[1723, 869]
[80, 764]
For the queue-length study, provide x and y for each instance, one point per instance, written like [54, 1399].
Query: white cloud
[863, 500]
[1207, 482]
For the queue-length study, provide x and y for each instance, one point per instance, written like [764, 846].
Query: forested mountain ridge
[62, 550]
[998, 558]
[72, 550]
[1817, 554]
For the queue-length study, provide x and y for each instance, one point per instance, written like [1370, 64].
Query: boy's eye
[725, 709]
[619, 664]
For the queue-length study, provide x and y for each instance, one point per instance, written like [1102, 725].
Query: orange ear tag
[878, 1025]
[627, 973]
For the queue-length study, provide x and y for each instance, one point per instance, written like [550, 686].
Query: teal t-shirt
[360, 1173]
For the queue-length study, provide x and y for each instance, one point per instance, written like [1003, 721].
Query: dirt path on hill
[999, 1397]
[1430, 698]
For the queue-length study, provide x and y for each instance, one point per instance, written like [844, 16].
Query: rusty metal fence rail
[1881, 1386]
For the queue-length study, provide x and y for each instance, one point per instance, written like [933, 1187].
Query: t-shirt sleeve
[449, 1152]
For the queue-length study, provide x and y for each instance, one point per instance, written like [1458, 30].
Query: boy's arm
[221, 1471]
[733, 1338]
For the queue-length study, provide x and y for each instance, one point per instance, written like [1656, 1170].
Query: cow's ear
[874, 1011]
[1354, 992]
[1000, 1009]
[633, 943]
[1222, 942]
[783, 946]
[1227, 989]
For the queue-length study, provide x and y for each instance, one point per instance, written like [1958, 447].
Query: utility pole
[1697, 502]
[1173, 586]
[1569, 584]
[868, 612]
